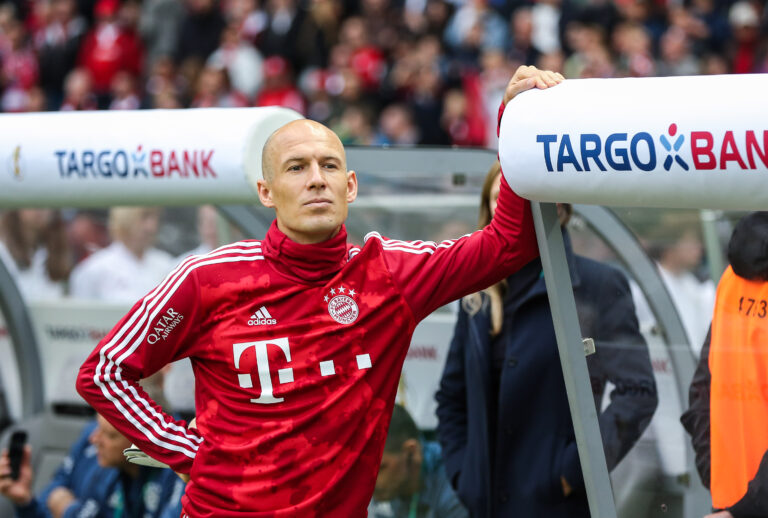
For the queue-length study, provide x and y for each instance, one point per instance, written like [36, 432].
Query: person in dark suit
[504, 421]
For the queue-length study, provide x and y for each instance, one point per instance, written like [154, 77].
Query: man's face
[141, 231]
[109, 444]
[308, 185]
[393, 476]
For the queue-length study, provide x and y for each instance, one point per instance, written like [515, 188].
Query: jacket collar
[314, 263]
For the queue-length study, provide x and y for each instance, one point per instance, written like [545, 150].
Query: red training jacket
[297, 351]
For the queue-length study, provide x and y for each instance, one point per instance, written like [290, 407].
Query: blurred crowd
[394, 72]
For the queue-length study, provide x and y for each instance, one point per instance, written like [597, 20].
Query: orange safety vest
[738, 362]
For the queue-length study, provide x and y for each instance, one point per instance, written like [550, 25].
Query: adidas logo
[262, 318]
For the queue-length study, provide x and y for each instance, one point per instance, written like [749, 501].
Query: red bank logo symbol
[341, 305]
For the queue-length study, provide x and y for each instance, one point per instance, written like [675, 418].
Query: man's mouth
[318, 202]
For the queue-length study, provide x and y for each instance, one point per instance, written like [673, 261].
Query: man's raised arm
[432, 274]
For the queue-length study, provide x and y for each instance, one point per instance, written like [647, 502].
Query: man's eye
[295, 168]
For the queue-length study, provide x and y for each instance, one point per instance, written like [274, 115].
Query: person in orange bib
[728, 414]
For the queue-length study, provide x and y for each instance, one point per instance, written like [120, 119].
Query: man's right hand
[17, 491]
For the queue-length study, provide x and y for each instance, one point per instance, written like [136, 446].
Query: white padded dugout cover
[688, 142]
[143, 157]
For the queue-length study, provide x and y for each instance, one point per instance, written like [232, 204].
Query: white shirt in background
[114, 274]
[695, 301]
[33, 282]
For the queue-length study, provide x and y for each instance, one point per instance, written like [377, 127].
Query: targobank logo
[624, 151]
[121, 163]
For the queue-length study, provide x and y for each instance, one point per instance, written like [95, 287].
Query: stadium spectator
[633, 44]
[19, 68]
[365, 58]
[34, 247]
[746, 46]
[109, 48]
[94, 480]
[58, 44]
[504, 420]
[207, 231]
[728, 409]
[248, 15]
[281, 32]
[163, 84]
[124, 95]
[317, 33]
[159, 27]
[355, 125]
[334, 321]
[279, 89]
[215, 91]
[675, 244]
[412, 477]
[521, 48]
[130, 266]
[78, 91]
[199, 36]
[676, 56]
[243, 63]
[475, 27]
[396, 127]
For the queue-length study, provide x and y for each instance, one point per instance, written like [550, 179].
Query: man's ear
[351, 186]
[265, 194]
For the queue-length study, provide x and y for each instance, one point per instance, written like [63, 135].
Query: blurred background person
[412, 478]
[124, 95]
[214, 90]
[676, 245]
[209, 226]
[242, 61]
[504, 420]
[58, 44]
[95, 479]
[129, 267]
[108, 48]
[34, 247]
[78, 91]
[20, 70]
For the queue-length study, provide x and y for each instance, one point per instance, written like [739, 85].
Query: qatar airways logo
[746, 150]
[164, 325]
[122, 163]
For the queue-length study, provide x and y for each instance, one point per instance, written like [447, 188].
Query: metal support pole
[24, 342]
[573, 361]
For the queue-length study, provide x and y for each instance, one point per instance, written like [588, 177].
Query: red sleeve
[156, 331]
[430, 275]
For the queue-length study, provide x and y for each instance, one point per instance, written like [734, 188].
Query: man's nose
[316, 177]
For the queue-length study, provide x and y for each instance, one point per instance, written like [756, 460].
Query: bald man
[296, 341]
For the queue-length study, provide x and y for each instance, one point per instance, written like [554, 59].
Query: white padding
[147, 157]
[689, 142]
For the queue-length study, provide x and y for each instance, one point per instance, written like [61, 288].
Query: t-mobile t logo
[262, 363]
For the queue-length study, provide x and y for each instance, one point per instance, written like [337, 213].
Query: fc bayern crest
[341, 305]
